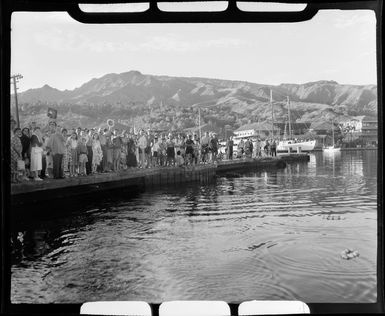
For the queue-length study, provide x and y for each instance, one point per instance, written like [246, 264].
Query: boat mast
[199, 122]
[272, 113]
[288, 110]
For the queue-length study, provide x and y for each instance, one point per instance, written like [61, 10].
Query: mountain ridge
[132, 95]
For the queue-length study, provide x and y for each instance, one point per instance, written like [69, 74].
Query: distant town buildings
[352, 124]
[369, 131]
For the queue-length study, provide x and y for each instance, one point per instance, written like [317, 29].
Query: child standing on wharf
[82, 153]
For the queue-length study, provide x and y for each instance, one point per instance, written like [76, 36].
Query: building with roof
[262, 130]
[369, 131]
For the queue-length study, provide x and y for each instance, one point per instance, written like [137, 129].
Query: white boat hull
[284, 146]
[331, 149]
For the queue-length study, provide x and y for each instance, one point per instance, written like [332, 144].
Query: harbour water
[266, 235]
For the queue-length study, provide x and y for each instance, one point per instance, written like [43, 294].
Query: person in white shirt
[142, 144]
[155, 151]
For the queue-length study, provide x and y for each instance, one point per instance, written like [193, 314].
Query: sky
[52, 48]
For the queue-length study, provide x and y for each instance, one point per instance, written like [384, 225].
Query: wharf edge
[140, 179]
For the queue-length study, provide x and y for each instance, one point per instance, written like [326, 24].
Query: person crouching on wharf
[56, 145]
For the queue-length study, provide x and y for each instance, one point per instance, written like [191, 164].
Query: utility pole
[15, 78]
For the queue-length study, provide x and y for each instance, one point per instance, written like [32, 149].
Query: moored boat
[332, 148]
[293, 145]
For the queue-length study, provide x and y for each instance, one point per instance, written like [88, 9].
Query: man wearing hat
[56, 146]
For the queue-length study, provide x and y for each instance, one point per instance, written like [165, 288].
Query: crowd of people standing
[55, 152]
[252, 148]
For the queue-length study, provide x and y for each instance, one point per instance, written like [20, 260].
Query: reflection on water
[259, 235]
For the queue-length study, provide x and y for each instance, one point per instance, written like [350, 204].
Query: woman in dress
[72, 144]
[36, 153]
[16, 149]
[97, 153]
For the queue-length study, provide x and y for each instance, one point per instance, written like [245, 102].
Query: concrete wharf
[136, 179]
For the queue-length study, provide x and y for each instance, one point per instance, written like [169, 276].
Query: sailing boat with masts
[330, 149]
[291, 143]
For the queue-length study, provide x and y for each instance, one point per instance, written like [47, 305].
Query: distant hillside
[163, 102]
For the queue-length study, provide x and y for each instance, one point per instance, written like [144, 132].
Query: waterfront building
[353, 124]
[369, 131]
[253, 129]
